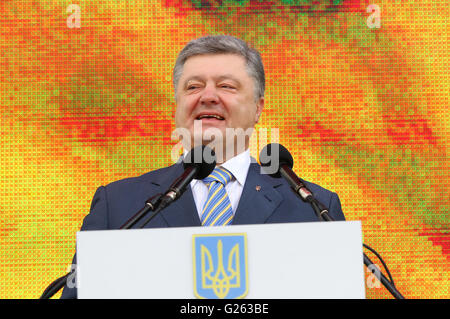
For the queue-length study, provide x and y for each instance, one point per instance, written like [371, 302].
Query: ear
[259, 108]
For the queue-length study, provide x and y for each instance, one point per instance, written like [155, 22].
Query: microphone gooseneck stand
[322, 213]
[150, 205]
[55, 286]
[285, 164]
[192, 169]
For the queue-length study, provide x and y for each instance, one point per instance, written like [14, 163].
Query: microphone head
[203, 158]
[272, 156]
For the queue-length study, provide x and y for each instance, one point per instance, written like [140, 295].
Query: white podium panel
[292, 260]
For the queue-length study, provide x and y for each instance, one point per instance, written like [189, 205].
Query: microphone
[277, 162]
[198, 164]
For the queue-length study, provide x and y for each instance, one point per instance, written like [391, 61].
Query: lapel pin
[258, 188]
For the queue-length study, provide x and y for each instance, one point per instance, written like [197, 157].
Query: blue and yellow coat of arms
[220, 266]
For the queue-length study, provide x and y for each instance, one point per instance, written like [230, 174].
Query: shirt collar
[238, 166]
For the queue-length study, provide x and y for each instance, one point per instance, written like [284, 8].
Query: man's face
[218, 91]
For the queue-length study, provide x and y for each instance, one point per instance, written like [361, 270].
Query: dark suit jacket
[274, 202]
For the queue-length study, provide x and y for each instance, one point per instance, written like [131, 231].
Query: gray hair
[223, 44]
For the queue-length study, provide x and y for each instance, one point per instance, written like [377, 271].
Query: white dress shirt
[238, 166]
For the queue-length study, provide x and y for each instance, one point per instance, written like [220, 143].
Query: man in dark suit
[219, 87]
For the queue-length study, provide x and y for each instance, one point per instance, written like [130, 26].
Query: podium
[291, 260]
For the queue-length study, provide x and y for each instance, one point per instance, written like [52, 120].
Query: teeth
[209, 116]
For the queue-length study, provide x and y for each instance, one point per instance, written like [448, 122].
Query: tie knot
[219, 174]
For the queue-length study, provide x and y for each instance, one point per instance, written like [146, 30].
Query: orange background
[363, 110]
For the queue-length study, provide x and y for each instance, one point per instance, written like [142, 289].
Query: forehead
[215, 65]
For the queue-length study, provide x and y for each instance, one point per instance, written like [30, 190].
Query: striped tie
[217, 210]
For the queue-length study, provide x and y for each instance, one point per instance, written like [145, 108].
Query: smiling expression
[218, 91]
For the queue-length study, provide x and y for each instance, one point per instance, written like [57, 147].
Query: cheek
[177, 117]
[184, 110]
[189, 104]
[181, 117]
[246, 114]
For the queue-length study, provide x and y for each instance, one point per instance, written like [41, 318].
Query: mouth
[210, 116]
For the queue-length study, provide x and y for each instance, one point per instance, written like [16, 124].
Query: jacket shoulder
[157, 177]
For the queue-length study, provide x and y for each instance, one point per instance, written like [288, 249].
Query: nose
[209, 95]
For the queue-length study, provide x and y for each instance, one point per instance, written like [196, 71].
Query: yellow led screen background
[358, 90]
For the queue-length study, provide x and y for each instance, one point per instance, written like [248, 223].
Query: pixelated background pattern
[364, 111]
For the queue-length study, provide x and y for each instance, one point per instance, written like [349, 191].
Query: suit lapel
[182, 212]
[259, 199]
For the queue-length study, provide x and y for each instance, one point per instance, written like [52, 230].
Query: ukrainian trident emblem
[220, 266]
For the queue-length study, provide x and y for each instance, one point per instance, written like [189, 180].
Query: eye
[193, 87]
[227, 86]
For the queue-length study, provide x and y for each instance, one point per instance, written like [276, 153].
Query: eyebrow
[195, 77]
[219, 78]
[229, 77]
